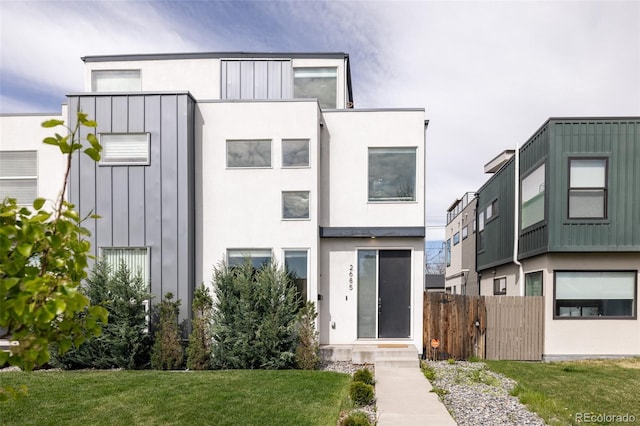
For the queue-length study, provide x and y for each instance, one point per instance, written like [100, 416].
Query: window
[533, 284]
[295, 204]
[248, 153]
[296, 263]
[136, 259]
[448, 252]
[115, 81]
[587, 188]
[316, 83]
[295, 153]
[489, 212]
[19, 176]
[473, 226]
[500, 286]
[595, 294]
[465, 232]
[258, 257]
[456, 238]
[532, 199]
[124, 148]
[481, 221]
[392, 174]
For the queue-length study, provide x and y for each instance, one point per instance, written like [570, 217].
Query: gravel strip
[476, 396]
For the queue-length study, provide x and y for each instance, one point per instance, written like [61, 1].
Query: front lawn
[247, 397]
[562, 392]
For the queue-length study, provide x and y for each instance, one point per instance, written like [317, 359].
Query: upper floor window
[456, 238]
[19, 176]
[318, 83]
[257, 257]
[115, 81]
[492, 210]
[124, 148]
[295, 205]
[481, 221]
[587, 188]
[532, 204]
[533, 283]
[295, 153]
[392, 174]
[465, 232]
[448, 253]
[595, 294]
[249, 153]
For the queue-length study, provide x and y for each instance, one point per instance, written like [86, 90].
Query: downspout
[516, 221]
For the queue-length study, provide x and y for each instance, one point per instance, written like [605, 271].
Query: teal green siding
[498, 232]
[618, 140]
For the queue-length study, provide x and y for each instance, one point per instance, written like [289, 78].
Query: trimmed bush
[125, 341]
[363, 375]
[167, 349]
[308, 349]
[254, 317]
[357, 418]
[361, 393]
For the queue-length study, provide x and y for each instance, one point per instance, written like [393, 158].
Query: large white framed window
[19, 176]
[124, 149]
[116, 81]
[392, 174]
[258, 257]
[295, 153]
[532, 198]
[595, 294]
[587, 188]
[135, 258]
[297, 264]
[295, 204]
[249, 153]
[319, 83]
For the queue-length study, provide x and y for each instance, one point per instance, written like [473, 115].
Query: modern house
[460, 234]
[560, 218]
[211, 157]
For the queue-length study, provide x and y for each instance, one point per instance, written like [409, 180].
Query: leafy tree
[125, 341]
[254, 317]
[43, 259]
[308, 348]
[167, 349]
[199, 349]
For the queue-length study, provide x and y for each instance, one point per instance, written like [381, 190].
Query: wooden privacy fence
[488, 327]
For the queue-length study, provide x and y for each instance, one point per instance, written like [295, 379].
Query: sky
[487, 73]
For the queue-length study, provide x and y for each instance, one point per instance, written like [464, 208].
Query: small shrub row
[361, 392]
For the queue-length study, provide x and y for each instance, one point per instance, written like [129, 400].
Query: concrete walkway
[404, 399]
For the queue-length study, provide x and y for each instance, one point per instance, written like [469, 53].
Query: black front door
[394, 293]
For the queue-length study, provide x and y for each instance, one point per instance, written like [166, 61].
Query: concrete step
[397, 357]
[398, 363]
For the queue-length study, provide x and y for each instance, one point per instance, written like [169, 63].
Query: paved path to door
[404, 399]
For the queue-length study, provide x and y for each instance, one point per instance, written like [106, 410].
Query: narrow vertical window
[533, 284]
[532, 198]
[296, 263]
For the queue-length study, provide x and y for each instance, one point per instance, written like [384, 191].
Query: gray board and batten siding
[150, 205]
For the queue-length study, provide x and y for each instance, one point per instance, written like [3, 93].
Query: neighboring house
[460, 246]
[434, 283]
[570, 201]
[212, 157]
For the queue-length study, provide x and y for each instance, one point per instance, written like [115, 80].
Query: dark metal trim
[372, 232]
[215, 55]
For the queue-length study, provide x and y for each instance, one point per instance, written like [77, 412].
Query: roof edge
[217, 55]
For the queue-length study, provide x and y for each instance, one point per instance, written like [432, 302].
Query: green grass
[247, 397]
[557, 391]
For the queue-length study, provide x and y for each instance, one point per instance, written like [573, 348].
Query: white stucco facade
[25, 133]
